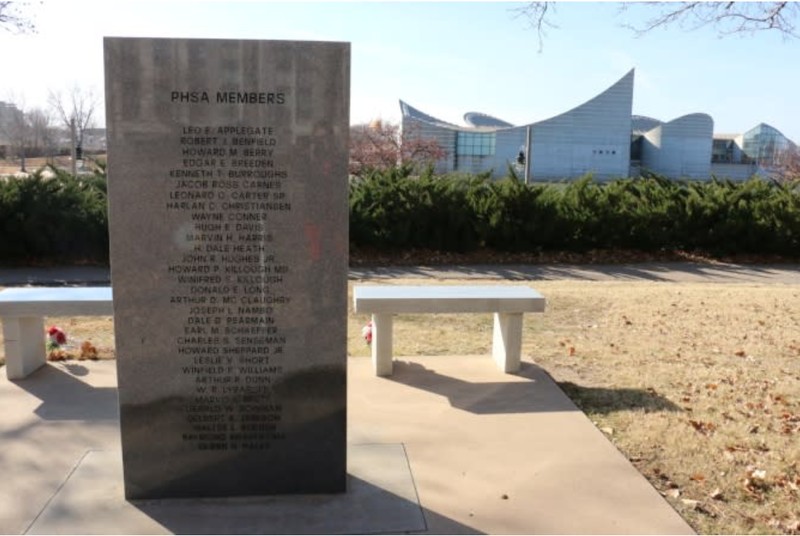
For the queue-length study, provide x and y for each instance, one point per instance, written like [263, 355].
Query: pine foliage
[64, 219]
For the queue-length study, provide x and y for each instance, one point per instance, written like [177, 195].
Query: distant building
[94, 140]
[600, 137]
[766, 147]
[8, 117]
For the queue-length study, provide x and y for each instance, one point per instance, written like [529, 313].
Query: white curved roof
[414, 113]
[642, 123]
[619, 94]
[478, 119]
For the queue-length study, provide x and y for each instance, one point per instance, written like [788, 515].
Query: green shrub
[64, 219]
[58, 219]
[394, 210]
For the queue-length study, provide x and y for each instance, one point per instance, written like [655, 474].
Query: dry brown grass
[697, 384]
[11, 166]
[98, 331]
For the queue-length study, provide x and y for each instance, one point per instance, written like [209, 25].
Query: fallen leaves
[715, 377]
[705, 428]
[570, 349]
[755, 483]
[790, 423]
[787, 526]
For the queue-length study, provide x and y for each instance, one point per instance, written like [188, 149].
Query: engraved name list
[229, 185]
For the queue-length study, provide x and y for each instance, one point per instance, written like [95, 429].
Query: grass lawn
[12, 166]
[697, 384]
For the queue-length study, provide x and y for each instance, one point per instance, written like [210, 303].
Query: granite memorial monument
[227, 166]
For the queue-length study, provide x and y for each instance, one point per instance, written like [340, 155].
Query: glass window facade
[765, 145]
[722, 151]
[475, 143]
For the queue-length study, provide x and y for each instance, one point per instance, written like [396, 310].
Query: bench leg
[382, 344]
[507, 341]
[24, 345]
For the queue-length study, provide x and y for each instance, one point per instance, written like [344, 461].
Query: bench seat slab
[22, 313]
[508, 303]
[399, 299]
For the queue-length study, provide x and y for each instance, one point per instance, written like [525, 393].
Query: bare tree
[75, 110]
[538, 15]
[379, 145]
[12, 19]
[726, 17]
[42, 138]
[788, 165]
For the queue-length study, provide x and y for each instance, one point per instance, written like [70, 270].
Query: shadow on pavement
[529, 391]
[670, 271]
[364, 509]
[64, 397]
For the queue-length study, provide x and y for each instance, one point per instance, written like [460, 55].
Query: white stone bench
[22, 312]
[508, 303]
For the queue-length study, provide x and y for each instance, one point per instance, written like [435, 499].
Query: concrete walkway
[474, 451]
[484, 452]
[666, 272]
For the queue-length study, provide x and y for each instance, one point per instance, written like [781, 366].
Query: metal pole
[73, 152]
[527, 154]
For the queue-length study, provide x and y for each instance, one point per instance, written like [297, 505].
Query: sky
[444, 58]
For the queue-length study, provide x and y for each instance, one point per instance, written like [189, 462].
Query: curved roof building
[641, 123]
[477, 119]
[595, 137]
[766, 145]
[600, 137]
[680, 148]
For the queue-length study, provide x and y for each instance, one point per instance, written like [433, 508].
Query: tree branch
[538, 18]
[12, 20]
[728, 18]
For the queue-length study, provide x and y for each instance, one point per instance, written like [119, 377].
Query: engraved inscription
[230, 184]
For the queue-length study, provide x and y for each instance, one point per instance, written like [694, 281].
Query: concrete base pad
[381, 498]
[491, 453]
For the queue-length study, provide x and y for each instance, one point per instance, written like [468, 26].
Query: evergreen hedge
[458, 213]
[63, 219]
